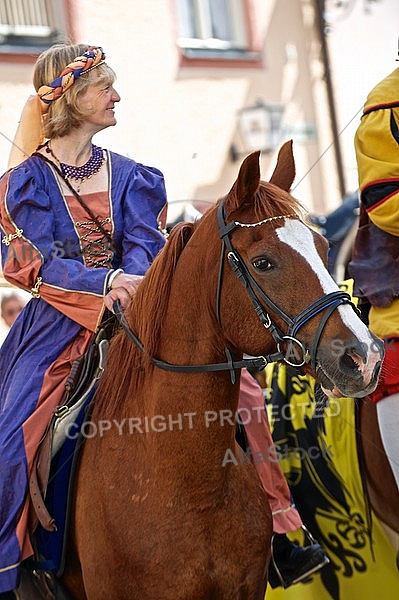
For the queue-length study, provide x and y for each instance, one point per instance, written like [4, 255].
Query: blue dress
[51, 247]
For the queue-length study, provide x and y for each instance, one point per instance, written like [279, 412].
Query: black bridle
[327, 303]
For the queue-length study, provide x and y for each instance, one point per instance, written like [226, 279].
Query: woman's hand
[123, 287]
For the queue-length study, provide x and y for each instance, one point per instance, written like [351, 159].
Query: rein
[258, 362]
[327, 303]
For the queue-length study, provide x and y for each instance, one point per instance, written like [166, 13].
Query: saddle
[85, 373]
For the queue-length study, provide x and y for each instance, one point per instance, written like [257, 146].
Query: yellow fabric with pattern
[316, 445]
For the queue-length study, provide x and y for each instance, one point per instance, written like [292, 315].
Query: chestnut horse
[160, 512]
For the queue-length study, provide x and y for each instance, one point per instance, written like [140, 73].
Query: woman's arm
[35, 261]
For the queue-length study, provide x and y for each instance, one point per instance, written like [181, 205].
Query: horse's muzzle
[356, 372]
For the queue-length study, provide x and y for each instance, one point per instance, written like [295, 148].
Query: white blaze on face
[296, 234]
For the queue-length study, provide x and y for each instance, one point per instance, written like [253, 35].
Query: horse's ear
[284, 173]
[245, 185]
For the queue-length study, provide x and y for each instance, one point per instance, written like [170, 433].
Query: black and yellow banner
[316, 442]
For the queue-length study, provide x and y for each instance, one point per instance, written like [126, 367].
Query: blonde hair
[64, 113]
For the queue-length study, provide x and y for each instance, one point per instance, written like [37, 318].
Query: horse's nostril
[348, 362]
[358, 353]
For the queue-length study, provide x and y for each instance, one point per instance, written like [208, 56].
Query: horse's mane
[126, 364]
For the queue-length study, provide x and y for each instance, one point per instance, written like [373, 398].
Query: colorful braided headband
[90, 59]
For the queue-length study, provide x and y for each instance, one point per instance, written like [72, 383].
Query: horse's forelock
[270, 201]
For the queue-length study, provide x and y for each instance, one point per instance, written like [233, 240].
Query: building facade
[186, 69]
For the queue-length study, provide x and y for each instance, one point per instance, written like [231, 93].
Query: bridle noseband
[327, 303]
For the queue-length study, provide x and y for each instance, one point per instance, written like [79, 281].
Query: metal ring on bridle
[301, 346]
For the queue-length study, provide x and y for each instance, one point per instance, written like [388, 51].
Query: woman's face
[98, 104]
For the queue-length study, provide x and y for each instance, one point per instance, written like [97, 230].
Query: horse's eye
[262, 264]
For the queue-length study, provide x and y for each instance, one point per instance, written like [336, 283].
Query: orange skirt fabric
[251, 408]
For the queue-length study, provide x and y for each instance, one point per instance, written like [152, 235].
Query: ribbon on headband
[30, 133]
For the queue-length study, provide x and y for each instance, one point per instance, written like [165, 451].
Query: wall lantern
[259, 127]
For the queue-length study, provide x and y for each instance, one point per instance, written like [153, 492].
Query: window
[213, 29]
[30, 25]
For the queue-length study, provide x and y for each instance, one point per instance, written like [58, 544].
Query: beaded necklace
[84, 172]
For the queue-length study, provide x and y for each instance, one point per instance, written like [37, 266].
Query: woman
[79, 224]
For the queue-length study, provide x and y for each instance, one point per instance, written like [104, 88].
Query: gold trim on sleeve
[12, 236]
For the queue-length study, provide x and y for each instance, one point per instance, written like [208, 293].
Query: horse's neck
[187, 425]
[190, 333]
[209, 396]
[201, 405]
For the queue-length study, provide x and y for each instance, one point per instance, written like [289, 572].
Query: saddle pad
[66, 443]
[64, 424]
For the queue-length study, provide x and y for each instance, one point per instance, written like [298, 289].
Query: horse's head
[287, 292]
